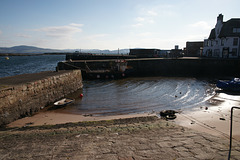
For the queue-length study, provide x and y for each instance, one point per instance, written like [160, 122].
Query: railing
[230, 145]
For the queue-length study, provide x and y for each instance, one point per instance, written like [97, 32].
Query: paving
[143, 138]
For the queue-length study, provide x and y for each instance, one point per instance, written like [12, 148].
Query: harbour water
[124, 96]
[142, 95]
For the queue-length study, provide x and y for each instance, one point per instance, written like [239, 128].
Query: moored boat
[113, 70]
[232, 85]
[63, 102]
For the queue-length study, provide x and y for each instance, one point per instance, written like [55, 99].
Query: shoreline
[214, 119]
[59, 117]
[205, 121]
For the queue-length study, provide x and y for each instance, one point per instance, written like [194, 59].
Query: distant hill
[98, 51]
[35, 50]
[26, 50]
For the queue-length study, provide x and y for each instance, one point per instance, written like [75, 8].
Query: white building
[224, 39]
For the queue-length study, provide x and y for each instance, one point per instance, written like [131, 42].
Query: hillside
[35, 50]
[26, 50]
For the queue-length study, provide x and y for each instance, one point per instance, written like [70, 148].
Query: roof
[227, 28]
[212, 34]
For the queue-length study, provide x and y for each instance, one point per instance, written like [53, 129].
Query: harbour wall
[97, 57]
[24, 95]
[186, 67]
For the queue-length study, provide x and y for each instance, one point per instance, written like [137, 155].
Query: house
[176, 52]
[164, 53]
[156, 53]
[145, 53]
[224, 39]
[193, 49]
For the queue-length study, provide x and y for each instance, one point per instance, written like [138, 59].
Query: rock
[87, 115]
[168, 114]
[223, 119]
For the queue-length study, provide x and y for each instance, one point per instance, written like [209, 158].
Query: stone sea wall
[17, 101]
[183, 67]
[187, 67]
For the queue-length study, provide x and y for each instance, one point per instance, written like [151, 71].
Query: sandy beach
[214, 119]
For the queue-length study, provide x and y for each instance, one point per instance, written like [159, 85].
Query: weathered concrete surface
[186, 66]
[127, 139]
[26, 94]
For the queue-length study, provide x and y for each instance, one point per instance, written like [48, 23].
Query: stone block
[25, 99]
[24, 87]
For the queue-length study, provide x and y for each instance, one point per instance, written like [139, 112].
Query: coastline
[213, 120]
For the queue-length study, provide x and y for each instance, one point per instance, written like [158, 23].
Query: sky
[110, 24]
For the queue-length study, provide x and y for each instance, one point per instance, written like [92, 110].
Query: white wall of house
[225, 47]
[222, 48]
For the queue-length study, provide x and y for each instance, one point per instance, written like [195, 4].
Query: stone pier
[26, 94]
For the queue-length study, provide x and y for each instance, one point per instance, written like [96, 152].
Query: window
[209, 43]
[209, 53]
[236, 30]
[225, 52]
[234, 52]
[216, 52]
[205, 43]
[235, 41]
[222, 42]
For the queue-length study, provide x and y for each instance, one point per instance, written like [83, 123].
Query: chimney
[220, 18]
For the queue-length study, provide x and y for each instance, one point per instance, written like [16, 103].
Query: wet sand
[60, 117]
[213, 119]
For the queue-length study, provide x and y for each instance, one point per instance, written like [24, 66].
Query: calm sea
[28, 64]
[124, 96]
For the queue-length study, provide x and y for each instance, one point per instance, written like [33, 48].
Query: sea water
[123, 96]
[16, 65]
[142, 95]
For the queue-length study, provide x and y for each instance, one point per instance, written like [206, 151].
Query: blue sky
[110, 24]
